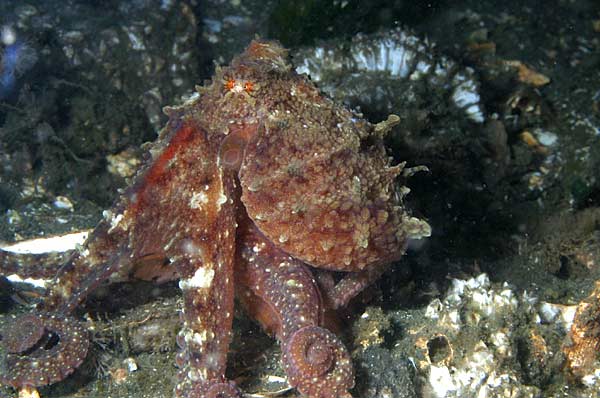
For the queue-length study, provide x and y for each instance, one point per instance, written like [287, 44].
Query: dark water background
[514, 195]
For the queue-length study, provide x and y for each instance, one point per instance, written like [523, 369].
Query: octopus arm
[183, 210]
[338, 295]
[42, 349]
[179, 209]
[47, 345]
[280, 292]
[42, 265]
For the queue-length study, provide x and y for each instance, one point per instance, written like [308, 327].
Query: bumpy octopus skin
[252, 186]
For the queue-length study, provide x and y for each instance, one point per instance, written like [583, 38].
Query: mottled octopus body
[257, 187]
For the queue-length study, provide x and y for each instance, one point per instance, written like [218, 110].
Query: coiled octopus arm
[47, 345]
[282, 295]
[184, 209]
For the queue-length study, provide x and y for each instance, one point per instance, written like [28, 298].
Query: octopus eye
[249, 86]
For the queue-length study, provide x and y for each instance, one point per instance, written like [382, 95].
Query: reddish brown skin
[250, 186]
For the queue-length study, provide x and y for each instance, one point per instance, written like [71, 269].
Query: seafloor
[483, 308]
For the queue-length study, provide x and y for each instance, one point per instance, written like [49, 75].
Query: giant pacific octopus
[259, 187]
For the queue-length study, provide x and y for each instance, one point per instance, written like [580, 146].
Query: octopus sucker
[317, 363]
[258, 187]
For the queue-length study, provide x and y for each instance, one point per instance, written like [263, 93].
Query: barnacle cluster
[392, 70]
[486, 340]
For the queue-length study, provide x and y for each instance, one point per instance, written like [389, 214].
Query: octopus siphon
[258, 188]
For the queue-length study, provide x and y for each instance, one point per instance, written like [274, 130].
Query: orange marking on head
[248, 86]
[230, 84]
